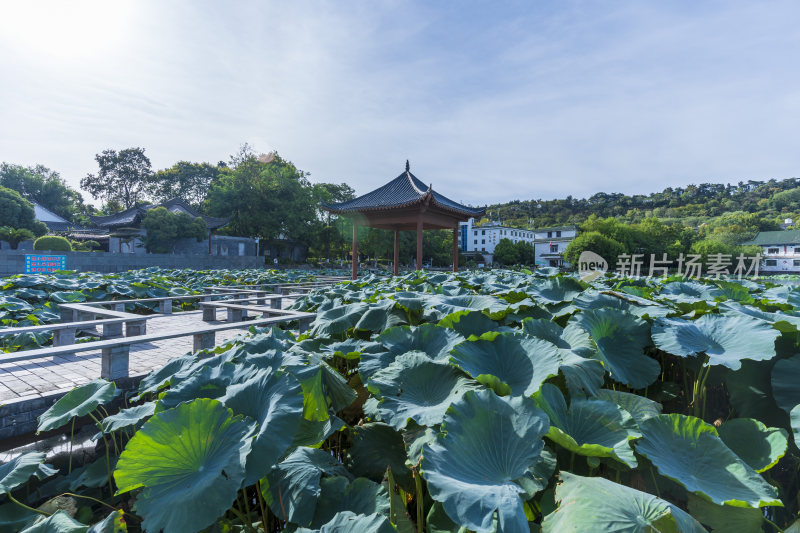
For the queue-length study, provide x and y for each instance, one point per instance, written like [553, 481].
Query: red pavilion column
[355, 250]
[455, 249]
[419, 243]
[396, 251]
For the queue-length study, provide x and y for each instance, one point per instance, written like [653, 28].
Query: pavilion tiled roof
[406, 190]
[132, 217]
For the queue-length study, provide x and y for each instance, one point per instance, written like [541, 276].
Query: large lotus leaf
[725, 518]
[725, 339]
[164, 376]
[113, 523]
[445, 305]
[750, 391]
[555, 290]
[190, 462]
[380, 316]
[14, 518]
[436, 341]
[594, 428]
[337, 320]
[376, 447]
[689, 451]
[469, 323]
[313, 432]
[323, 387]
[780, 321]
[639, 407]
[210, 381]
[79, 401]
[592, 299]
[597, 504]
[128, 417]
[349, 522]
[621, 339]
[275, 402]
[786, 382]
[689, 291]
[19, 470]
[361, 496]
[292, 487]
[488, 443]
[416, 387]
[756, 444]
[58, 522]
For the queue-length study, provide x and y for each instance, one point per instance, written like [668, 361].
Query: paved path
[48, 375]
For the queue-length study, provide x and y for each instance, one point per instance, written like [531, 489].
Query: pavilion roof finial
[408, 167]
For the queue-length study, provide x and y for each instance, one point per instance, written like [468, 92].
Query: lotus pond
[500, 401]
[32, 299]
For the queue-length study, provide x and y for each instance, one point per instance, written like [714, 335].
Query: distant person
[275, 262]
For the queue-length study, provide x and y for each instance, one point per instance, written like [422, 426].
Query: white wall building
[483, 239]
[780, 251]
[550, 243]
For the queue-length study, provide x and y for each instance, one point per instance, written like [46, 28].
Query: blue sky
[490, 101]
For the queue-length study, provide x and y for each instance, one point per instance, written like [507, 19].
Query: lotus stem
[773, 524]
[420, 503]
[101, 502]
[108, 460]
[71, 437]
[655, 483]
[13, 499]
[261, 504]
[390, 480]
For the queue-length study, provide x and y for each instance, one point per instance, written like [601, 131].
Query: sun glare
[65, 30]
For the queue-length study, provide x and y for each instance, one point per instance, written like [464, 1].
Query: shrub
[15, 236]
[52, 243]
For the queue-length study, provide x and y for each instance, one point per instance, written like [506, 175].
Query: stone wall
[13, 261]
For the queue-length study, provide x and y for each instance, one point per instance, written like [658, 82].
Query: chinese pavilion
[405, 204]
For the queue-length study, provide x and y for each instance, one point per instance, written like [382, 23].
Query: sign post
[37, 264]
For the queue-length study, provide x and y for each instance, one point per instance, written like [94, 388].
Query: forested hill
[692, 205]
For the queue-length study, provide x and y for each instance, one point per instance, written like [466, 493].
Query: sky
[490, 101]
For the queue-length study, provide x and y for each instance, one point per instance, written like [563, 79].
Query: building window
[483, 249]
[483, 241]
[773, 250]
[558, 234]
[796, 262]
[553, 248]
[549, 234]
[476, 232]
[476, 241]
[771, 262]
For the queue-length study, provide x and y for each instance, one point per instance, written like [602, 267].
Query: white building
[549, 244]
[483, 239]
[780, 251]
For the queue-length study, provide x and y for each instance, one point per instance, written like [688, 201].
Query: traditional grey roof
[764, 238]
[406, 190]
[132, 217]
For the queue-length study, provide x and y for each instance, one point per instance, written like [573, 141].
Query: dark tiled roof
[62, 226]
[132, 217]
[405, 190]
[775, 237]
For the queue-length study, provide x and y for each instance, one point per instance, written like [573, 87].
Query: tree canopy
[164, 228]
[123, 177]
[46, 187]
[185, 180]
[16, 212]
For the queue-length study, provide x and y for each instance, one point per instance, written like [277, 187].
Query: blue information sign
[35, 264]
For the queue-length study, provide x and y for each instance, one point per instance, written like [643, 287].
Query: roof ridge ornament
[408, 167]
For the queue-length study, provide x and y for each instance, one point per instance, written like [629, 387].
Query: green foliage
[165, 227]
[15, 211]
[188, 181]
[45, 186]
[122, 179]
[52, 243]
[593, 241]
[15, 236]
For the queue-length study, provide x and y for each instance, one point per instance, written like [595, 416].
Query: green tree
[525, 253]
[164, 228]
[44, 186]
[52, 243]
[188, 181]
[594, 241]
[16, 212]
[123, 177]
[505, 253]
[15, 236]
[266, 197]
[326, 234]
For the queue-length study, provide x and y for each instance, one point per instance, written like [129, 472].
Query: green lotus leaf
[641, 307]
[58, 522]
[156, 380]
[79, 401]
[361, 496]
[756, 444]
[436, 341]
[337, 320]
[190, 463]
[275, 402]
[555, 290]
[113, 523]
[725, 339]
[689, 451]
[597, 504]
[209, 381]
[750, 391]
[14, 518]
[488, 443]
[639, 407]
[381, 316]
[93, 475]
[468, 323]
[415, 387]
[621, 339]
[725, 518]
[313, 432]
[689, 292]
[786, 382]
[292, 487]
[349, 522]
[128, 417]
[446, 305]
[376, 447]
[593, 428]
[323, 388]
[19, 470]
